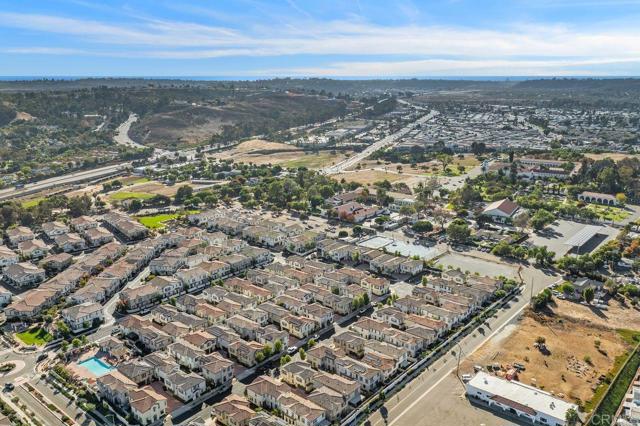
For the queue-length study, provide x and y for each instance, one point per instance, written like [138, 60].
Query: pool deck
[84, 372]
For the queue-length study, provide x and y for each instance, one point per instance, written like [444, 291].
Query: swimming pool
[96, 366]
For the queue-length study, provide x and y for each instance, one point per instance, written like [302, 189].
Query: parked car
[466, 377]
[292, 350]
[8, 387]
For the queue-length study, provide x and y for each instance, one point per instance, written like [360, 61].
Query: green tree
[422, 226]
[184, 192]
[588, 294]
[571, 417]
[277, 346]
[540, 219]
[458, 231]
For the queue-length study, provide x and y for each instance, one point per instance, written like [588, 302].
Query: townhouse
[31, 304]
[137, 370]
[8, 256]
[245, 352]
[245, 327]
[193, 278]
[322, 316]
[368, 377]
[349, 389]
[33, 249]
[298, 374]
[299, 327]
[186, 355]
[186, 386]
[237, 262]
[115, 388]
[70, 242]
[217, 370]
[350, 343]
[210, 313]
[130, 229]
[82, 223]
[83, 316]
[147, 406]
[167, 287]
[19, 234]
[322, 357]
[233, 411]
[97, 236]
[140, 298]
[52, 229]
[56, 262]
[200, 339]
[24, 274]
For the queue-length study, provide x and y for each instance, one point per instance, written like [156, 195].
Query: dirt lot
[259, 151]
[616, 156]
[582, 346]
[368, 177]
[433, 167]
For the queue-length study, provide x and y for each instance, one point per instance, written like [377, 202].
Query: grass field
[125, 195]
[31, 203]
[131, 180]
[313, 161]
[158, 221]
[34, 336]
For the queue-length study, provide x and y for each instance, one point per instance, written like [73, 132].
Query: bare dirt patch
[369, 177]
[615, 156]
[258, 151]
[582, 347]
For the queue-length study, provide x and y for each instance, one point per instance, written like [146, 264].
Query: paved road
[40, 410]
[58, 181]
[389, 140]
[430, 389]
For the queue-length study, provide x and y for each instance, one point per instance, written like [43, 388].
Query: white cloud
[443, 48]
[468, 67]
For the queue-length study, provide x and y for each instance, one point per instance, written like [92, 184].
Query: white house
[502, 210]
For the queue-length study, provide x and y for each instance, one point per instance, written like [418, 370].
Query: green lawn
[32, 203]
[34, 336]
[124, 195]
[609, 213]
[157, 221]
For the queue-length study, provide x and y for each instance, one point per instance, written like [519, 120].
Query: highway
[382, 143]
[69, 179]
[431, 389]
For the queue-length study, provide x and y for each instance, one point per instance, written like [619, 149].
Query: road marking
[482, 342]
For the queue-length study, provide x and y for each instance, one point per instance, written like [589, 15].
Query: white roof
[585, 234]
[534, 398]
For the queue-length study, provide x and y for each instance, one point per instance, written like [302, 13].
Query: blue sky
[331, 38]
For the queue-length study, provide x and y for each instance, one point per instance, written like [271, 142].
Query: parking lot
[475, 261]
[555, 235]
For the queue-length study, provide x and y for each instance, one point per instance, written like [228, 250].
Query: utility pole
[531, 297]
